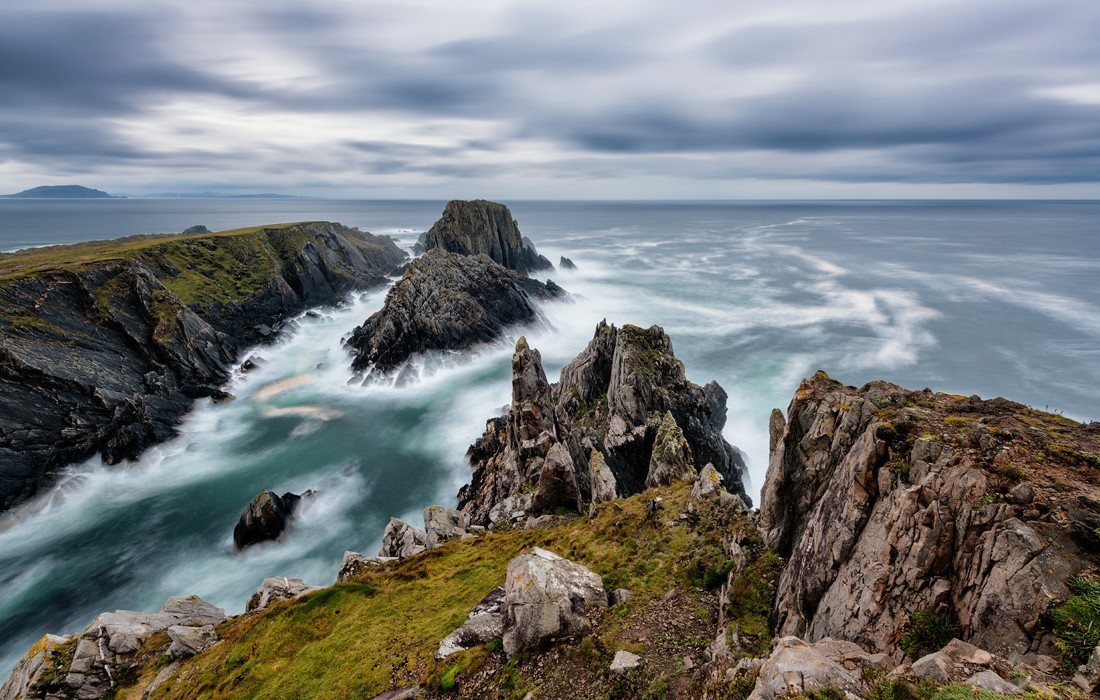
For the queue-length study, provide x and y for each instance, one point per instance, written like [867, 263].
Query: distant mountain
[60, 192]
[218, 195]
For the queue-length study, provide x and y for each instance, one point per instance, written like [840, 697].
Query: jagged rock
[115, 359]
[485, 622]
[278, 588]
[670, 459]
[795, 667]
[566, 264]
[707, 485]
[545, 598]
[482, 227]
[936, 666]
[355, 563]
[446, 301]
[624, 662]
[401, 540]
[29, 670]
[881, 519]
[265, 518]
[988, 680]
[607, 410]
[188, 641]
[443, 524]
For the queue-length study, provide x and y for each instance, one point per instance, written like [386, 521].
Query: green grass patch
[1077, 621]
[927, 631]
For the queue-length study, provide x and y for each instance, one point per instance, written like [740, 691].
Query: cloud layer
[700, 98]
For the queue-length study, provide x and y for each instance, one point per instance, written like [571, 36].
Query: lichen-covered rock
[891, 502]
[707, 485]
[275, 589]
[445, 301]
[443, 524]
[401, 540]
[623, 407]
[545, 598]
[796, 667]
[29, 670]
[482, 227]
[990, 681]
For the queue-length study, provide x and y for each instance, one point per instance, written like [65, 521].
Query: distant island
[218, 195]
[60, 192]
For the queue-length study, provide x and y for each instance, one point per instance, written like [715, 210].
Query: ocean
[992, 298]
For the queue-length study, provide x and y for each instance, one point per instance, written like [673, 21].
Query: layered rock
[482, 227]
[891, 502]
[104, 356]
[265, 518]
[623, 417]
[446, 301]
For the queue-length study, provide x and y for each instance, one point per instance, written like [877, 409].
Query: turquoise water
[991, 298]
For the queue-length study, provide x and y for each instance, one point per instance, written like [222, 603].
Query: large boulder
[444, 302]
[546, 598]
[483, 227]
[443, 524]
[265, 518]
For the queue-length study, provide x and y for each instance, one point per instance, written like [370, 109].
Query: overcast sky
[694, 98]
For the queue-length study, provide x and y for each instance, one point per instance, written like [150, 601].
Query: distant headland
[60, 192]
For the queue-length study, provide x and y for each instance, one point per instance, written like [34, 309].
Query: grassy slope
[357, 639]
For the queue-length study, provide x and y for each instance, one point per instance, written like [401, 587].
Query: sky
[692, 99]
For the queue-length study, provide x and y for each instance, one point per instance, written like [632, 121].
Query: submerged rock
[545, 598]
[266, 518]
[483, 227]
[566, 264]
[446, 301]
[622, 417]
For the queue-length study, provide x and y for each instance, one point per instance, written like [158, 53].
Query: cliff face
[890, 502]
[475, 227]
[622, 418]
[104, 346]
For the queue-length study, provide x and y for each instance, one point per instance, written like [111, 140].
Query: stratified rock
[443, 524]
[566, 264]
[624, 662]
[401, 540]
[623, 408]
[482, 227]
[265, 518]
[545, 598]
[278, 588]
[795, 667]
[446, 301]
[485, 622]
[890, 502]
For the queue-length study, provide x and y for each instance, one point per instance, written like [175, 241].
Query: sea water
[992, 298]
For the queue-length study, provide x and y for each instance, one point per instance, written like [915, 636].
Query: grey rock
[670, 459]
[936, 666]
[795, 667]
[988, 680]
[545, 598]
[355, 563]
[620, 596]
[29, 670]
[402, 694]
[188, 641]
[965, 653]
[485, 622]
[624, 662]
[443, 524]
[197, 228]
[566, 264]
[557, 482]
[708, 484]
[401, 540]
[852, 656]
[1088, 674]
[164, 674]
[481, 227]
[604, 486]
[276, 589]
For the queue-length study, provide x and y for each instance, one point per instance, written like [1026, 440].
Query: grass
[927, 631]
[1077, 621]
[356, 639]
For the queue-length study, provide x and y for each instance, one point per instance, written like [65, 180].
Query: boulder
[1088, 674]
[266, 518]
[278, 588]
[443, 524]
[795, 668]
[936, 666]
[400, 540]
[485, 622]
[990, 681]
[965, 653]
[624, 662]
[707, 485]
[545, 598]
[619, 596]
[355, 563]
[557, 482]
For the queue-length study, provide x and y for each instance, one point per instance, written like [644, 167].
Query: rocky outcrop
[265, 518]
[545, 598]
[446, 301]
[622, 418]
[87, 666]
[481, 227]
[890, 502]
[400, 540]
[272, 590]
[104, 352]
[567, 264]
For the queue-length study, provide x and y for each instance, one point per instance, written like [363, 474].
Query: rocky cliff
[105, 345]
[446, 301]
[895, 506]
[480, 226]
[622, 418]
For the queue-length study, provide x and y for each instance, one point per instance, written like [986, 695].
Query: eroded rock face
[446, 301]
[889, 502]
[545, 598]
[622, 417]
[482, 227]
